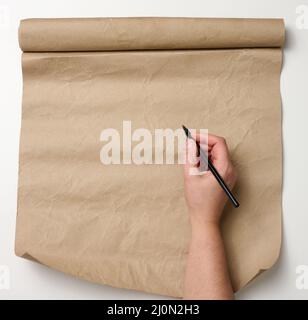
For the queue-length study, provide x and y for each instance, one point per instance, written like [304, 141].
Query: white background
[30, 280]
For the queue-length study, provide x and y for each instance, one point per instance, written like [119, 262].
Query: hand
[205, 197]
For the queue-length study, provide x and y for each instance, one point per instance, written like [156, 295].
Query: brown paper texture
[127, 225]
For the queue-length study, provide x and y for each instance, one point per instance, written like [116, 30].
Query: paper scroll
[127, 225]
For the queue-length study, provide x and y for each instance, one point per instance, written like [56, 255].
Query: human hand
[204, 196]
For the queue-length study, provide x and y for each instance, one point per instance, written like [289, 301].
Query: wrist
[199, 224]
[209, 216]
[204, 234]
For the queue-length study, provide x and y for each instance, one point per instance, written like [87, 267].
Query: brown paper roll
[127, 225]
[107, 34]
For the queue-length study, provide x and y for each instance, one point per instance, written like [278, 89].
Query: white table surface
[29, 280]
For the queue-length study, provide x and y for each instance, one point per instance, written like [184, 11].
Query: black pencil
[213, 169]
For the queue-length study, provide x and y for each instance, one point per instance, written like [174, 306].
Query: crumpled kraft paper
[127, 225]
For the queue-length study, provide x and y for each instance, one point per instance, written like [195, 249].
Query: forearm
[207, 274]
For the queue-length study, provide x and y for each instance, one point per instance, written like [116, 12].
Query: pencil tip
[185, 130]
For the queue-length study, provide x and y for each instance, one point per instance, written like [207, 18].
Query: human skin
[207, 275]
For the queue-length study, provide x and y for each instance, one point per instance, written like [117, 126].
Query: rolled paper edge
[121, 34]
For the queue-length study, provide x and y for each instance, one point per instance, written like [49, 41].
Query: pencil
[213, 169]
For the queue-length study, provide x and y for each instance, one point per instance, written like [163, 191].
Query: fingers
[219, 149]
[202, 140]
[191, 160]
[214, 146]
[194, 165]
